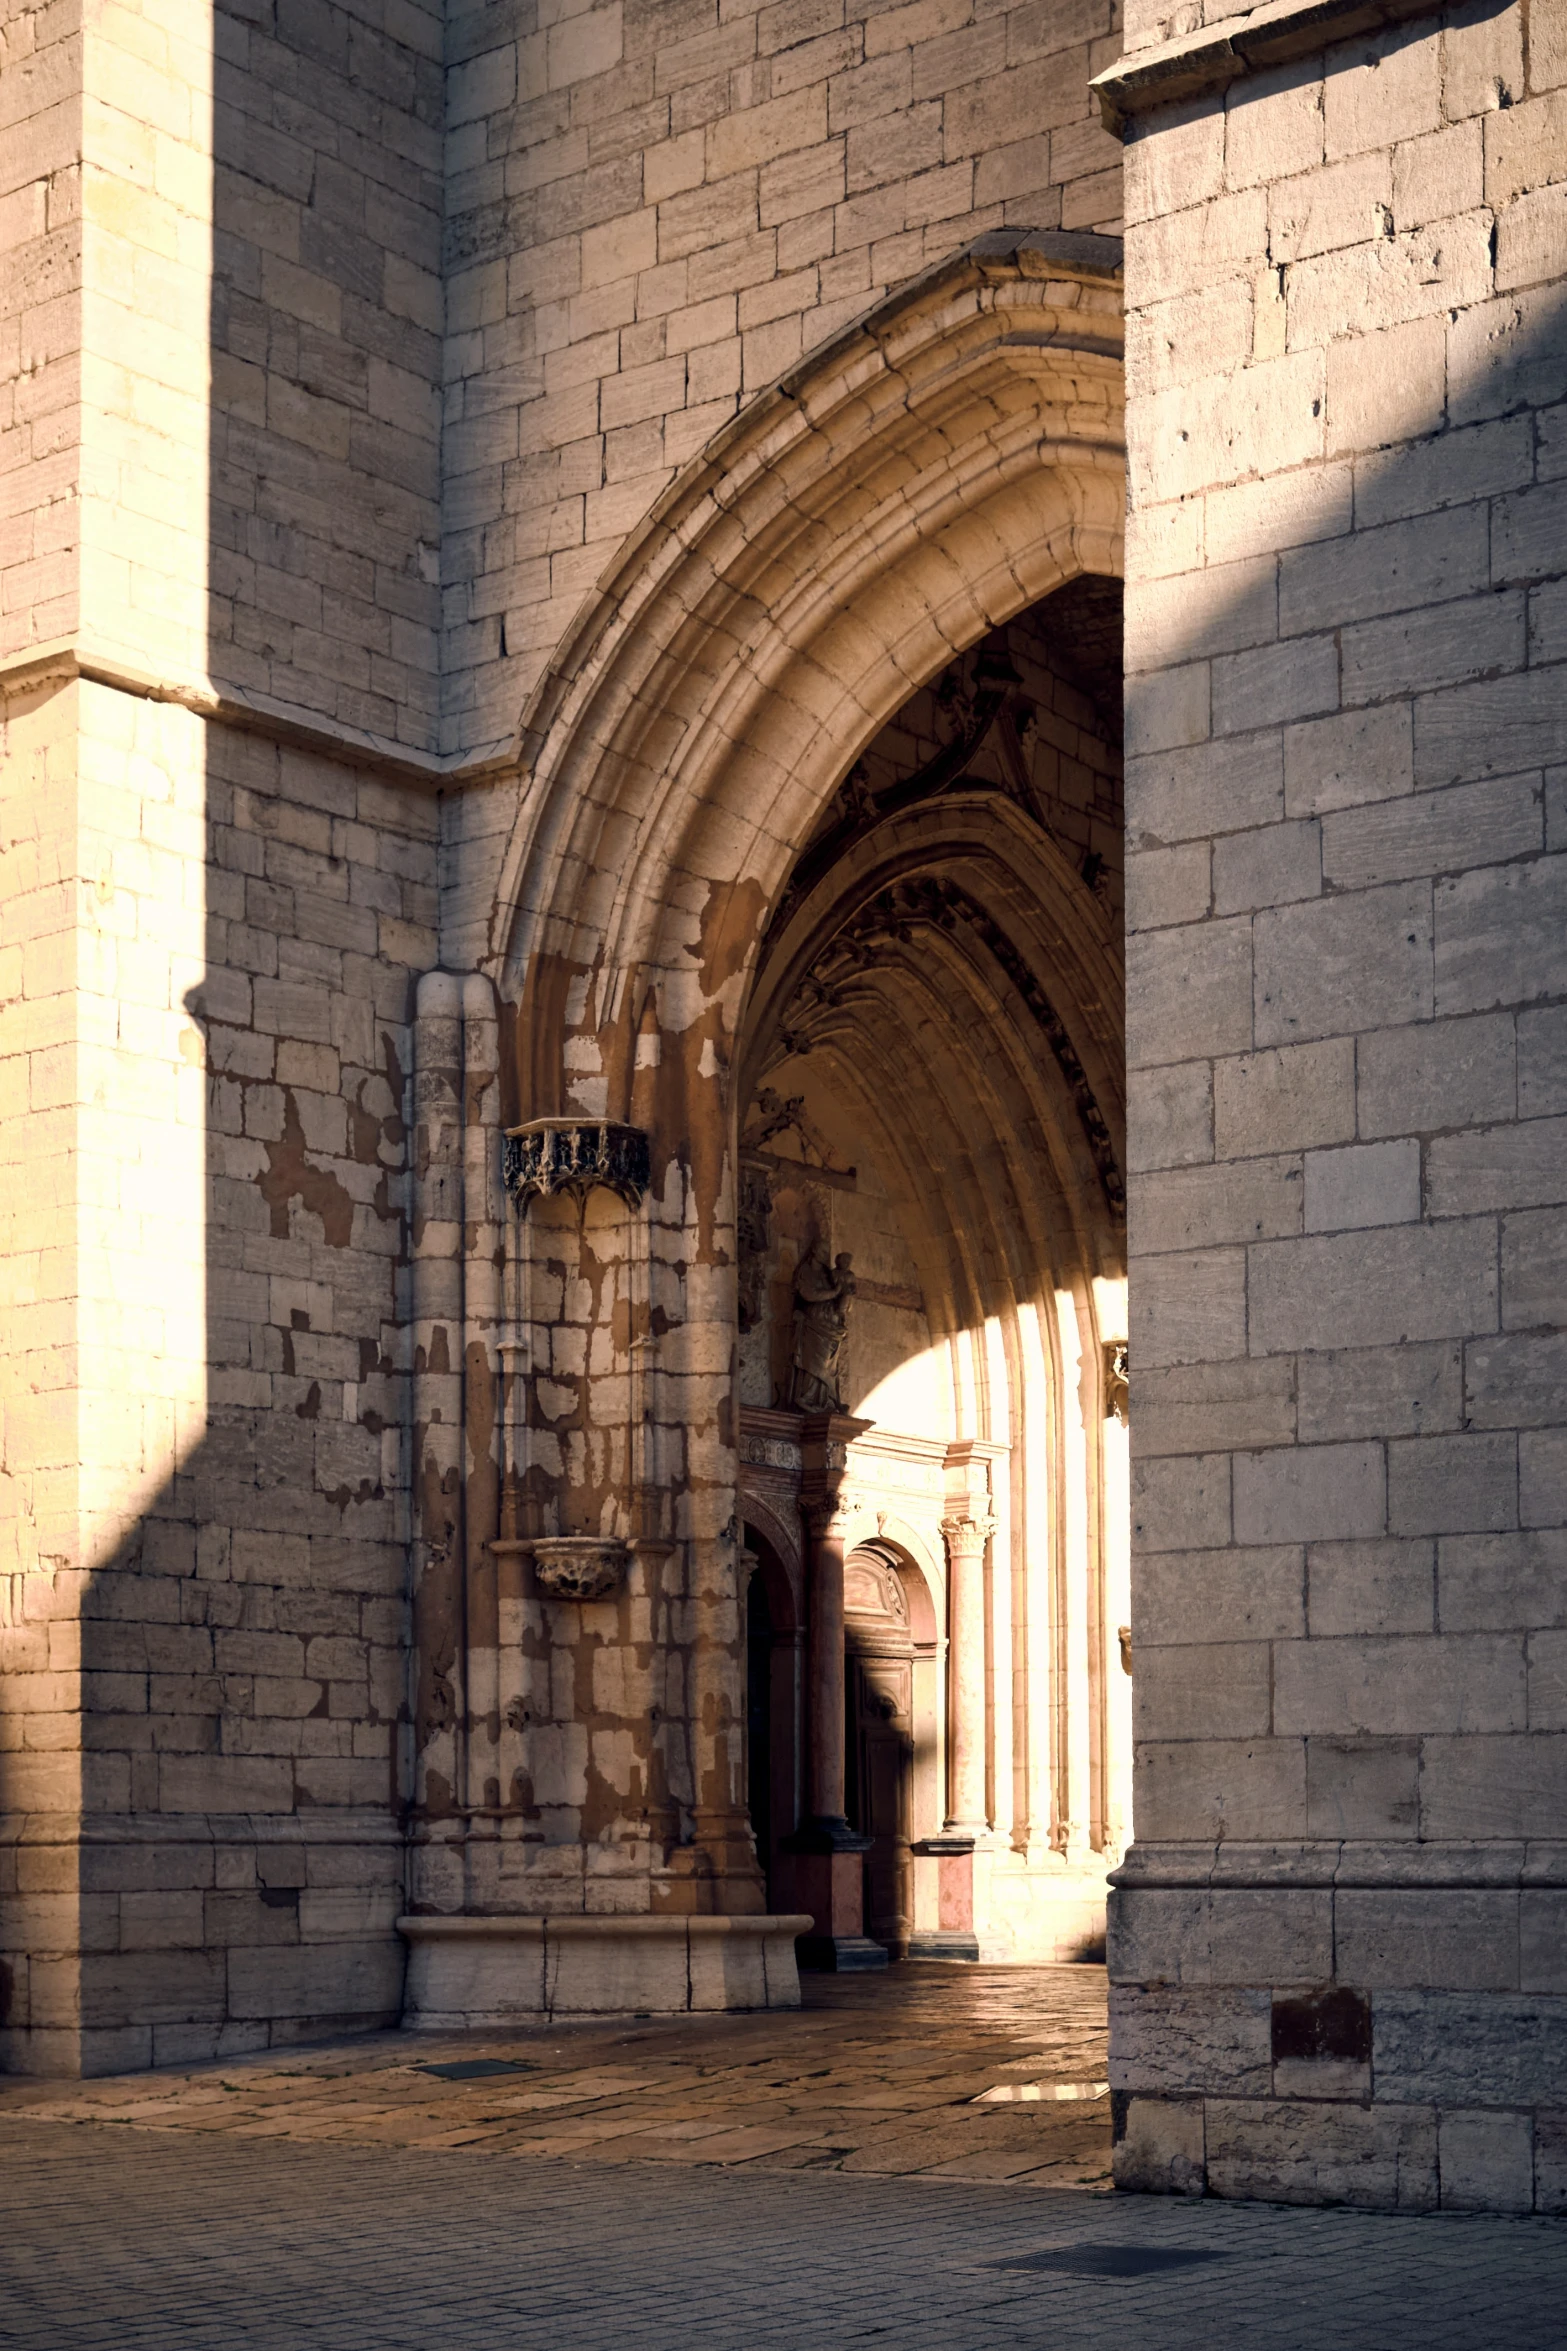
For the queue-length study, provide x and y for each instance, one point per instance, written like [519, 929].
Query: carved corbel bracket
[577, 1567]
[825, 1438]
[548, 1155]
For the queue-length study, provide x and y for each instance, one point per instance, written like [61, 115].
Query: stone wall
[40, 319]
[207, 1604]
[327, 313]
[1337, 1963]
[219, 576]
[656, 207]
[210, 941]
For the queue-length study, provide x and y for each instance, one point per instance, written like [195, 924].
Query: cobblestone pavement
[878, 2074]
[346, 2200]
[113, 2238]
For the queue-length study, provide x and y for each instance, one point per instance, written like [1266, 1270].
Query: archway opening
[931, 1244]
[730, 877]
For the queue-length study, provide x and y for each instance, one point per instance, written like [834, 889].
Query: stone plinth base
[1380, 2155]
[1276, 2033]
[841, 1954]
[471, 1971]
[938, 1943]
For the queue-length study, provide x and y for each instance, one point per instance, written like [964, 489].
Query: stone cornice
[63, 661]
[1206, 62]
[1331, 1865]
[1062, 259]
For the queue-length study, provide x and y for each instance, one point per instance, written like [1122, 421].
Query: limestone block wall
[223, 310]
[326, 317]
[145, 178]
[654, 208]
[204, 1615]
[1337, 1963]
[40, 319]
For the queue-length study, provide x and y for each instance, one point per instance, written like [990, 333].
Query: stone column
[966, 1538]
[967, 1526]
[829, 1872]
[824, 1668]
[436, 1295]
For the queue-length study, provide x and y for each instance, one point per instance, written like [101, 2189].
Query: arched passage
[912, 488]
[930, 1078]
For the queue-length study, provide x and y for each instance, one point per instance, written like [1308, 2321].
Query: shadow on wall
[242, 1659]
[238, 1864]
[1347, 894]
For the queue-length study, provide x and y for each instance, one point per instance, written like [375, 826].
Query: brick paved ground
[429, 2233]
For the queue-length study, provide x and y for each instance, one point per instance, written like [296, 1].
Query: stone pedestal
[467, 1972]
[828, 1873]
[944, 1899]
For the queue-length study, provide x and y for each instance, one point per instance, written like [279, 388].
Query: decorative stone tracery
[572, 1155]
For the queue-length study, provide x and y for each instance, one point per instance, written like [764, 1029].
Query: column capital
[969, 1491]
[968, 1533]
[825, 1438]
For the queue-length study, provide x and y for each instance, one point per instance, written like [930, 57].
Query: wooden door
[879, 1711]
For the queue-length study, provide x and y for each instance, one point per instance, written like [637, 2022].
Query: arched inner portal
[931, 1235]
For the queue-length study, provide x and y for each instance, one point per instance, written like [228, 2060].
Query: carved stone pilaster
[572, 1155]
[825, 1438]
[968, 1523]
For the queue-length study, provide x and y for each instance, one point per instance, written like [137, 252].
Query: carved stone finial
[572, 1155]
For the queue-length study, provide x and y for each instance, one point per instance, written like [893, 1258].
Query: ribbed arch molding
[1024, 939]
[929, 473]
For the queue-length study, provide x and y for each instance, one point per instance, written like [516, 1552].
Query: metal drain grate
[478, 2069]
[1109, 2261]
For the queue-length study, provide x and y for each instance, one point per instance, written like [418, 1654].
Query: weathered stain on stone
[1334, 2021]
[289, 1176]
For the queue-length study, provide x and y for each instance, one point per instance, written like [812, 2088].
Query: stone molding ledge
[347, 1825]
[1533, 1861]
[63, 661]
[1082, 266]
[473, 1971]
[1206, 62]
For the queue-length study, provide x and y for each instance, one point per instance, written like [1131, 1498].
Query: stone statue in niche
[821, 1320]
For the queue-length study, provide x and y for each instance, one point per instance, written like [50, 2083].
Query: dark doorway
[759, 1716]
[879, 1756]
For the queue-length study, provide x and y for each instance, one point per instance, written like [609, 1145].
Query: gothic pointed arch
[938, 466]
[881, 517]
